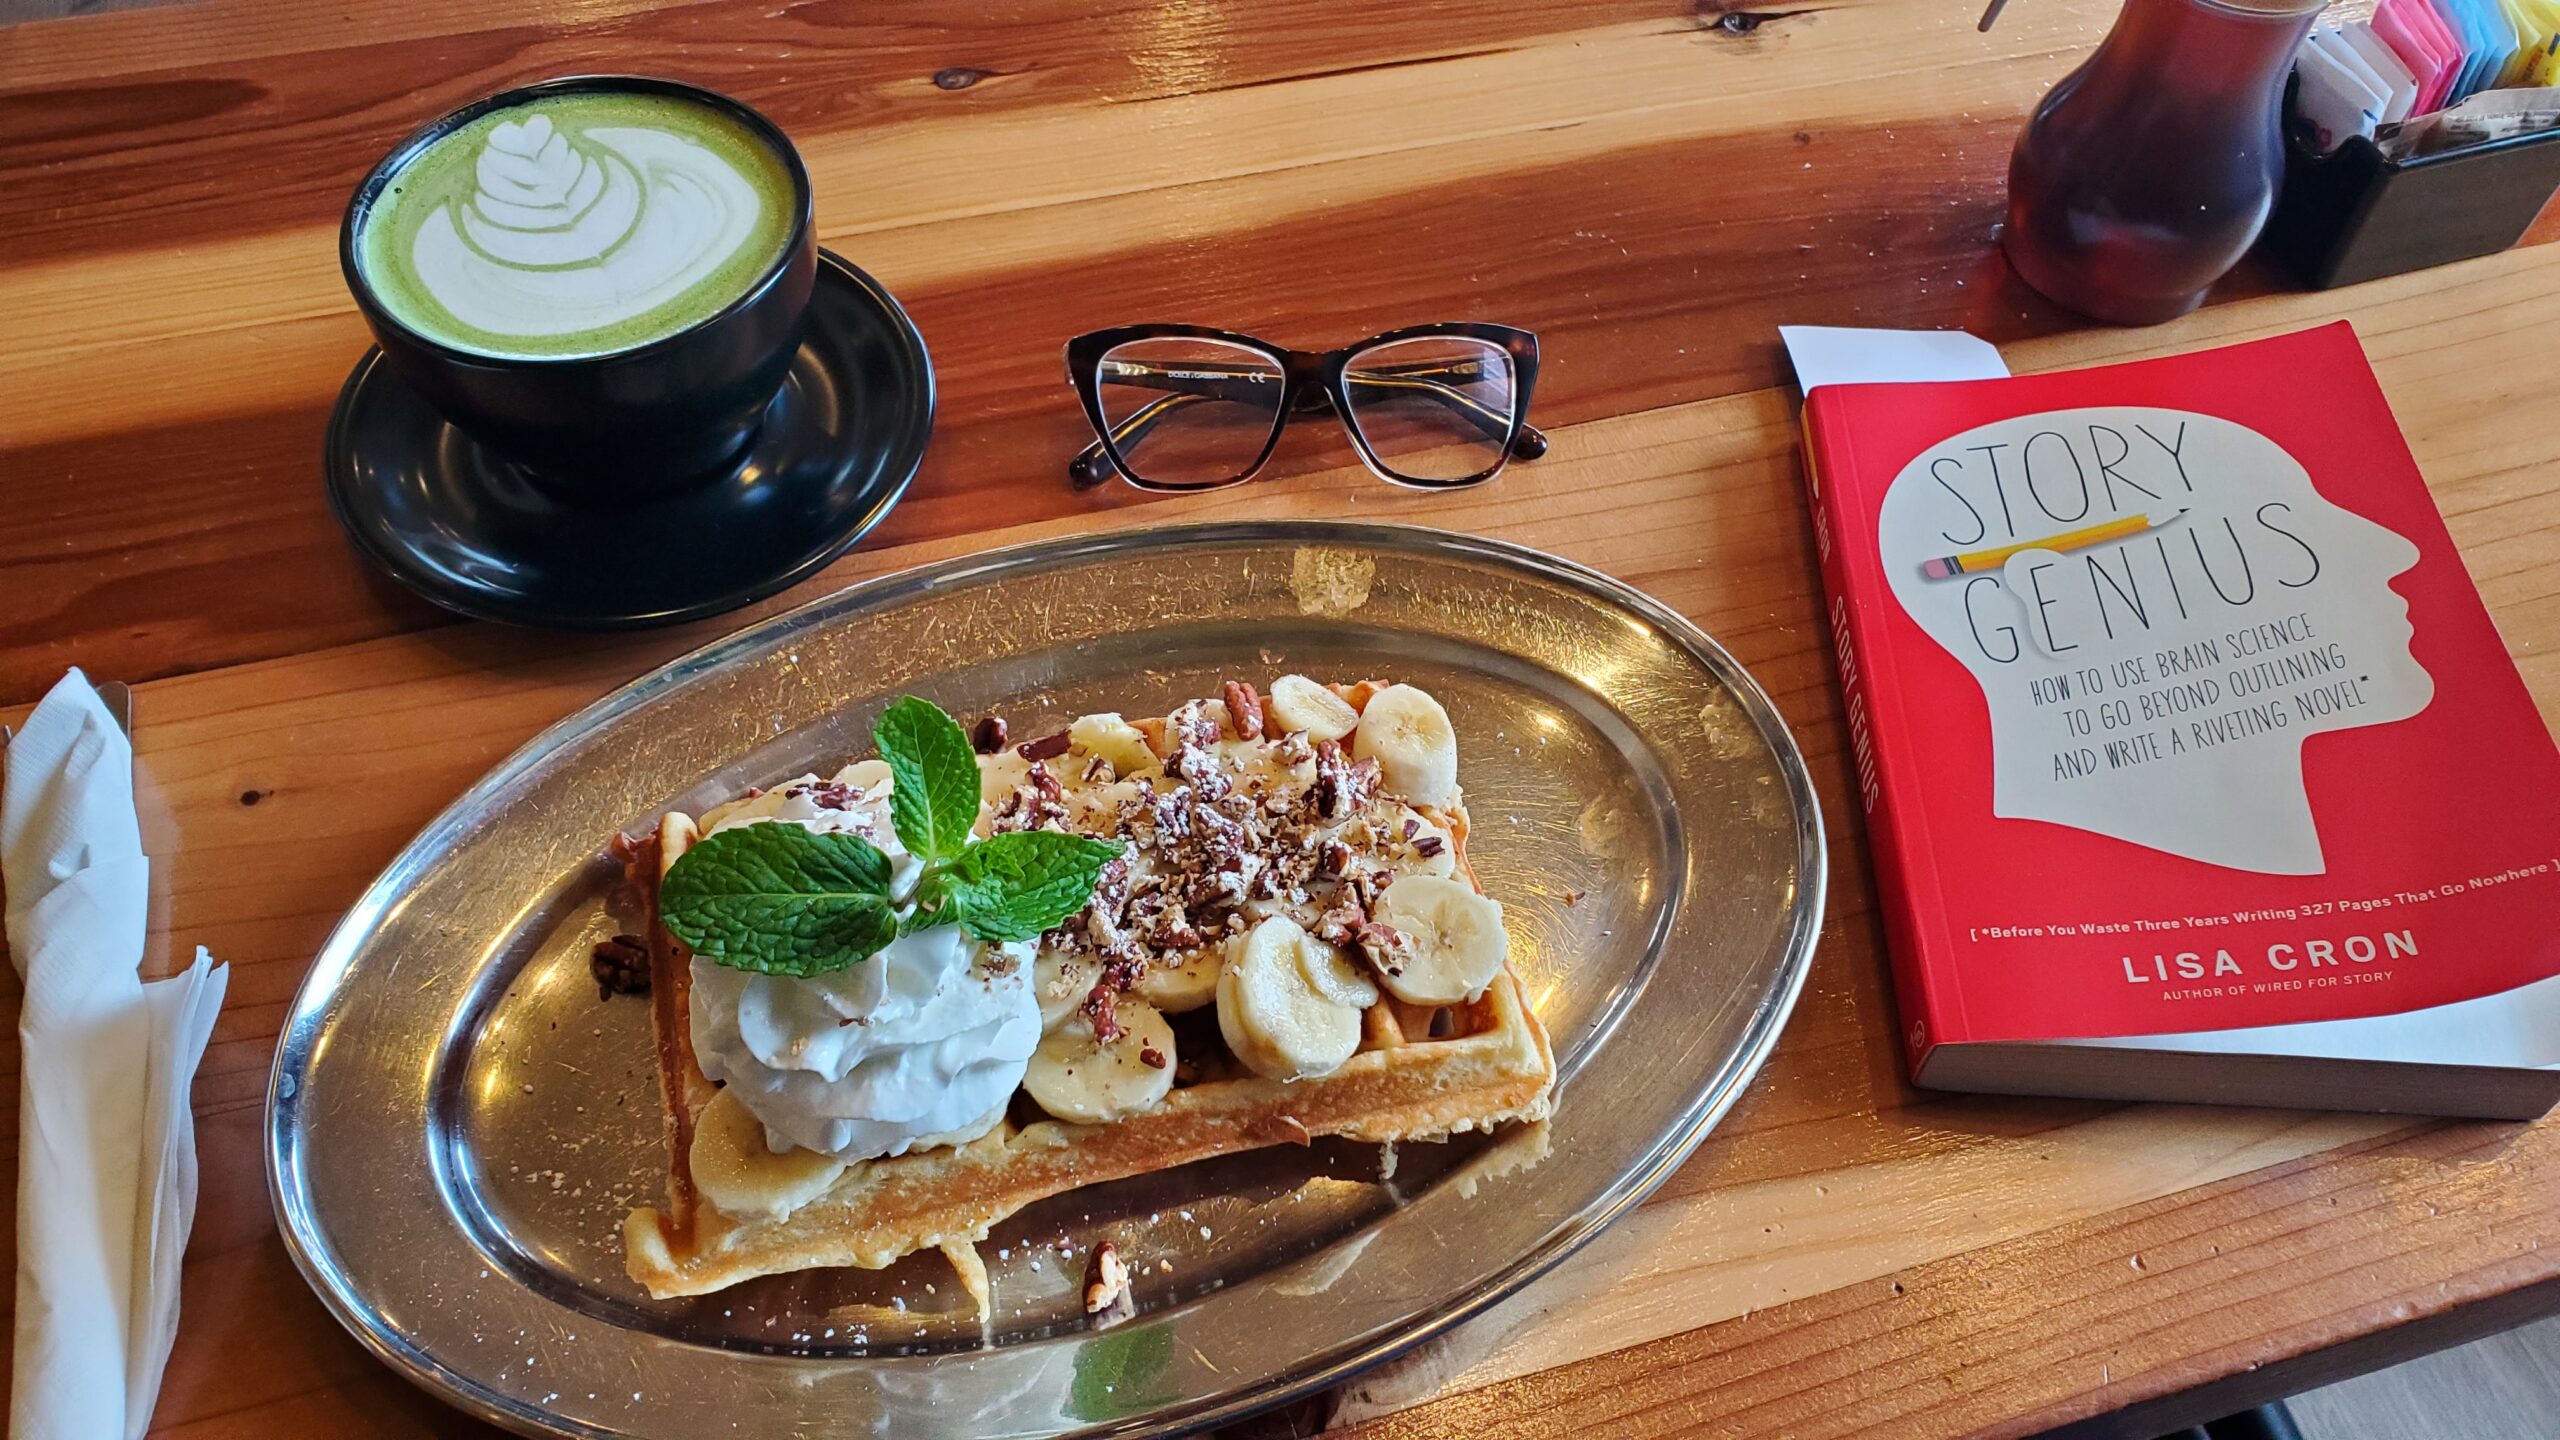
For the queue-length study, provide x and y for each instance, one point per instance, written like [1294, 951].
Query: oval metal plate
[457, 1124]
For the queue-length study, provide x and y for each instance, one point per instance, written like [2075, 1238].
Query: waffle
[1420, 1073]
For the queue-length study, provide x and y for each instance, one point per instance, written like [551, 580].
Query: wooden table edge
[1670, 1385]
[2310, 1369]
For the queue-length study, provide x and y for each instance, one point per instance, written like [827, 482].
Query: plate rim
[296, 1226]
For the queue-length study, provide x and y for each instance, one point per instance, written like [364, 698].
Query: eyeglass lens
[1189, 413]
[1433, 409]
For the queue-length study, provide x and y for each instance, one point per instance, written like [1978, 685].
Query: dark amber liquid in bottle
[2145, 174]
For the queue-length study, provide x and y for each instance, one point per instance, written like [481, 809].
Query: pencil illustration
[1974, 562]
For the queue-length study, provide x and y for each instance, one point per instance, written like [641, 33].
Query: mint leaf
[1121, 1373]
[933, 796]
[1012, 887]
[780, 900]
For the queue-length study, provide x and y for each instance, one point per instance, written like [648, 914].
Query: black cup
[647, 418]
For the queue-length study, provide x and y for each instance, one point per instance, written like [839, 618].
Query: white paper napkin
[1838, 355]
[107, 1150]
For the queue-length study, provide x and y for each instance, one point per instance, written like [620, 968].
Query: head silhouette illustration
[2160, 610]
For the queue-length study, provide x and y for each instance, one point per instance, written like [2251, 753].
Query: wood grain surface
[1651, 186]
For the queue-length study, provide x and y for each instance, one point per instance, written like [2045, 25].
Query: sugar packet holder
[2467, 182]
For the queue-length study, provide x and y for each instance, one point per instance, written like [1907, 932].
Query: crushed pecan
[1194, 725]
[620, 966]
[989, 736]
[1173, 930]
[1343, 787]
[1244, 708]
[1047, 747]
[1106, 1280]
[1369, 885]
[1326, 794]
[1102, 1008]
[1341, 924]
[827, 795]
[1152, 1058]
[1383, 944]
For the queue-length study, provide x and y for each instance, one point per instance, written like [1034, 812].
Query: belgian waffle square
[1420, 1072]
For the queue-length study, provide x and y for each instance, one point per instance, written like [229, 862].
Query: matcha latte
[577, 224]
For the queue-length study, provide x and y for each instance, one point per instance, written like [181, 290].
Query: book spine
[1853, 646]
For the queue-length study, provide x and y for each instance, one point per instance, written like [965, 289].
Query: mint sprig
[784, 900]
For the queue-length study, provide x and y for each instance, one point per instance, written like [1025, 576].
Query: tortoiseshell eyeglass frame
[1311, 383]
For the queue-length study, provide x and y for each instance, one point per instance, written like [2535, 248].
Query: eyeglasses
[1181, 408]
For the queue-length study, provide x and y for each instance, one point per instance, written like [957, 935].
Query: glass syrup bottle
[2144, 175]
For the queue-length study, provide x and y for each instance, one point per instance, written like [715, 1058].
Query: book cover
[2172, 705]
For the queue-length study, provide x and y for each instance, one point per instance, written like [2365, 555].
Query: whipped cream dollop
[922, 1044]
[566, 234]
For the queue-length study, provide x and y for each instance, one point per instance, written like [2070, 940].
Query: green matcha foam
[577, 224]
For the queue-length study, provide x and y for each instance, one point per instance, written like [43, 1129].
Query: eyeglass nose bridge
[1306, 384]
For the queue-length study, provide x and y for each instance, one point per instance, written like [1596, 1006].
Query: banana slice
[1454, 938]
[1299, 703]
[1114, 739]
[1409, 735]
[1061, 982]
[999, 775]
[738, 1172]
[864, 775]
[1335, 975]
[1273, 1017]
[1187, 986]
[1075, 1079]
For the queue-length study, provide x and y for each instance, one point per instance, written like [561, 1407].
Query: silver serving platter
[457, 1124]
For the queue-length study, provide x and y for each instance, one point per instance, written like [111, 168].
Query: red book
[2192, 764]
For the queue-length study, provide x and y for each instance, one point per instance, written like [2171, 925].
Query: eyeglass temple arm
[1198, 382]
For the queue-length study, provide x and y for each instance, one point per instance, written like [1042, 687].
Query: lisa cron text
[2309, 954]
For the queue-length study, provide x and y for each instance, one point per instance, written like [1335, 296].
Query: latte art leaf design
[544, 204]
[572, 229]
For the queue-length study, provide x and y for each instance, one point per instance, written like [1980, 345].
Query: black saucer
[470, 531]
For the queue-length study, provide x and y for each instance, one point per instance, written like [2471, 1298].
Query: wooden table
[1651, 185]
